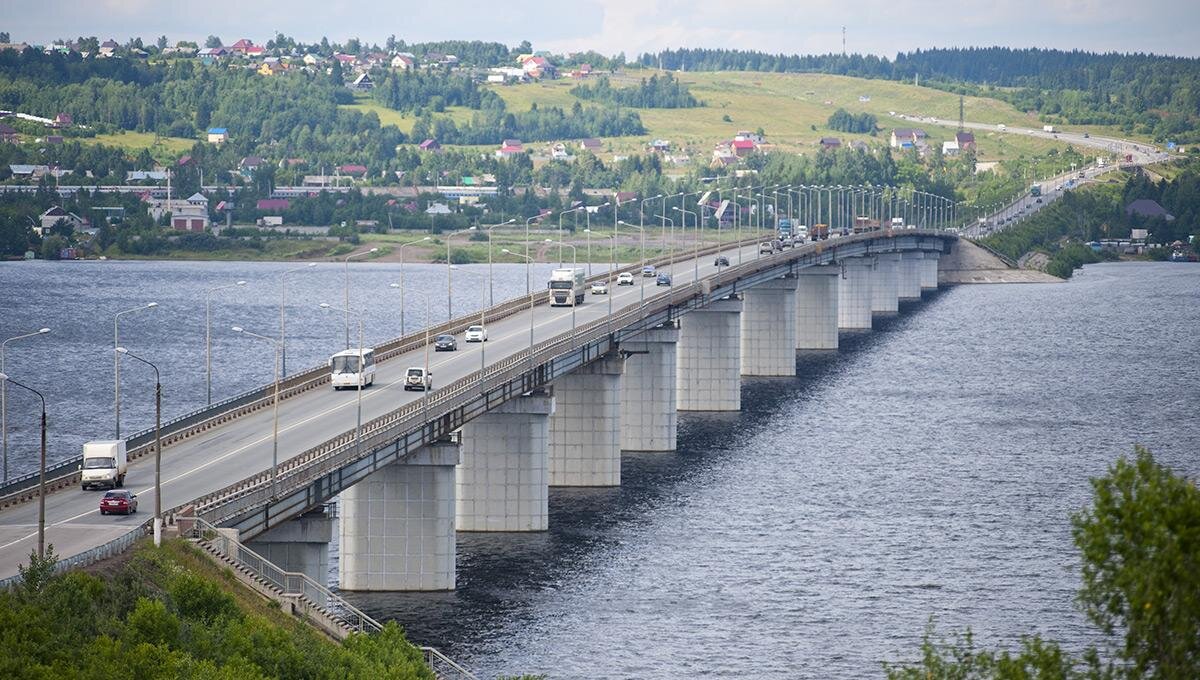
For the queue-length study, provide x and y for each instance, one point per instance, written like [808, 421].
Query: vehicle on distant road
[648, 271]
[567, 287]
[445, 343]
[417, 378]
[351, 369]
[120, 500]
[664, 279]
[600, 288]
[104, 464]
[476, 333]
[721, 261]
[625, 279]
[766, 248]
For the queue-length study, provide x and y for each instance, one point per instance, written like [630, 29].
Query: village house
[63, 120]
[431, 145]
[218, 135]
[272, 204]
[56, 214]
[509, 148]
[9, 134]
[246, 47]
[537, 67]
[906, 138]
[660, 146]
[362, 82]
[248, 165]
[830, 143]
[190, 214]
[591, 144]
[108, 48]
[352, 170]
[965, 141]
[1146, 207]
[403, 63]
[742, 147]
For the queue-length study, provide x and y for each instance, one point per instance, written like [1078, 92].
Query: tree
[4, 37]
[1140, 544]
[212, 41]
[162, 42]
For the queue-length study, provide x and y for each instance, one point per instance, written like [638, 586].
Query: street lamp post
[157, 443]
[208, 333]
[528, 265]
[41, 549]
[4, 393]
[275, 416]
[491, 292]
[400, 285]
[528, 290]
[484, 283]
[588, 230]
[642, 231]
[359, 368]
[117, 360]
[612, 258]
[683, 223]
[560, 229]
[347, 298]
[449, 285]
[282, 322]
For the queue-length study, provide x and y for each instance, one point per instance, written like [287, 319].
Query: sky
[881, 27]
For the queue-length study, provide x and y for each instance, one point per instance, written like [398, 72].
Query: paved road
[243, 447]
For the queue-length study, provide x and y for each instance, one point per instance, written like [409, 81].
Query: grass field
[136, 141]
[403, 121]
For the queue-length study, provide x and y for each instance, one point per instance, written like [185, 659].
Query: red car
[124, 502]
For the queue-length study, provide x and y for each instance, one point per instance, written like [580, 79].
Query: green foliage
[414, 89]
[157, 617]
[844, 121]
[653, 93]
[1140, 544]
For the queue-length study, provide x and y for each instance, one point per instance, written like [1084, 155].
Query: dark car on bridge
[118, 500]
[445, 343]
[663, 279]
[721, 261]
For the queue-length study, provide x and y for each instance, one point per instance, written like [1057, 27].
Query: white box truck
[566, 287]
[104, 464]
[1047, 128]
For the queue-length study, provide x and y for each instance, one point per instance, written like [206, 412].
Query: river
[927, 469]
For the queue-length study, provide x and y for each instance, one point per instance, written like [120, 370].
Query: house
[218, 135]
[558, 151]
[538, 67]
[108, 48]
[430, 145]
[270, 68]
[9, 134]
[352, 170]
[965, 141]
[859, 145]
[199, 200]
[346, 59]
[29, 171]
[56, 213]
[247, 47]
[54, 140]
[362, 82]
[742, 147]
[63, 120]
[184, 161]
[402, 63]
[660, 145]
[248, 165]
[273, 204]
[723, 157]
[510, 147]
[146, 176]
[746, 134]
[1145, 207]
[591, 144]
[829, 143]
[904, 138]
[312, 60]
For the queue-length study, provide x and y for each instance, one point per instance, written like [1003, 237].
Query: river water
[927, 469]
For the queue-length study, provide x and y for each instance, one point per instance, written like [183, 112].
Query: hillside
[170, 613]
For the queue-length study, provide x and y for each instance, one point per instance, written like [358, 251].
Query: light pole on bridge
[117, 360]
[275, 406]
[4, 393]
[157, 443]
[41, 549]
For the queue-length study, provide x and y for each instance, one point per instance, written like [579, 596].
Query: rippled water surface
[928, 468]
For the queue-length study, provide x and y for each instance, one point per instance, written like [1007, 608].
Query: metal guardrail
[443, 667]
[101, 552]
[66, 473]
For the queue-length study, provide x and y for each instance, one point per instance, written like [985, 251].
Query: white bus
[345, 368]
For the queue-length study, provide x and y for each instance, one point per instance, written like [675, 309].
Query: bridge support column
[854, 294]
[709, 374]
[648, 410]
[585, 430]
[769, 329]
[909, 279]
[929, 271]
[503, 477]
[883, 296]
[300, 545]
[817, 307]
[397, 525]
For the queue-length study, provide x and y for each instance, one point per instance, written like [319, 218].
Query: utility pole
[843, 41]
[961, 127]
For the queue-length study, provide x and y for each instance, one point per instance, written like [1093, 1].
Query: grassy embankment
[171, 613]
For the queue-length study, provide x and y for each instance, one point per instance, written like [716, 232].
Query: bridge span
[551, 399]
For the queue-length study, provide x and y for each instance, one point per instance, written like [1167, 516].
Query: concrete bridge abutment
[769, 329]
[855, 292]
[298, 545]
[709, 373]
[909, 277]
[929, 270]
[585, 430]
[397, 525]
[817, 307]
[504, 474]
[649, 416]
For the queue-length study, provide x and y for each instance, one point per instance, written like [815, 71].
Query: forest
[653, 93]
[844, 121]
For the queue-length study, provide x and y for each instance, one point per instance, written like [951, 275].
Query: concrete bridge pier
[649, 418]
[855, 291]
[585, 430]
[884, 299]
[397, 525]
[909, 279]
[929, 270]
[298, 545]
[503, 477]
[769, 329]
[817, 307]
[709, 375]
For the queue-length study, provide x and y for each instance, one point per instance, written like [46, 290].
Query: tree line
[844, 121]
[652, 93]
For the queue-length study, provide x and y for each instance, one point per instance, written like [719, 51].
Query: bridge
[551, 399]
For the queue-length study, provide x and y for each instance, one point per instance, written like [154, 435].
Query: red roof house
[353, 170]
[273, 204]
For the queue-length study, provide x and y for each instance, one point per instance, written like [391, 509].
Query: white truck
[1047, 128]
[104, 464]
[897, 223]
[567, 287]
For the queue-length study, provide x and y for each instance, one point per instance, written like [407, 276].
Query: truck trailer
[567, 287]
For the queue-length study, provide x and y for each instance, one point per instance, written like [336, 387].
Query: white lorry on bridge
[567, 287]
[104, 464]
